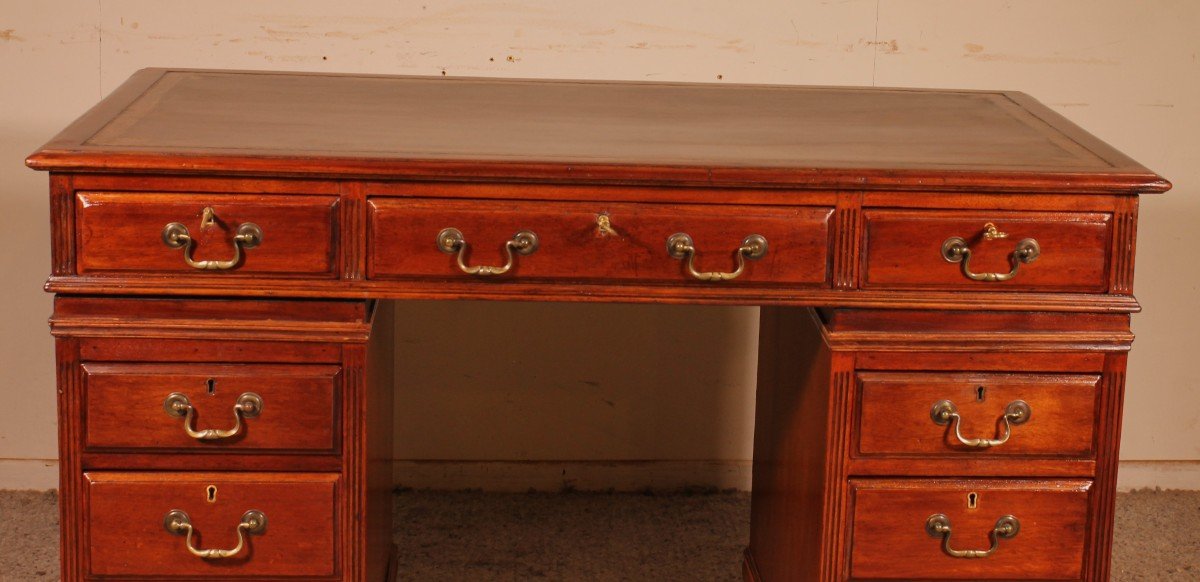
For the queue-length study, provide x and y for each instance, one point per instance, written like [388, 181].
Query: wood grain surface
[289, 123]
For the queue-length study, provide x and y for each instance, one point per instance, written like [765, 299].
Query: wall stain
[889, 47]
[9, 35]
[973, 48]
[1032, 60]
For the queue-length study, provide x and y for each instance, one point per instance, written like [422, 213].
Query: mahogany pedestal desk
[945, 280]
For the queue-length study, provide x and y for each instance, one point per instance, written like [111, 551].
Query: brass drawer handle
[451, 241]
[945, 412]
[680, 246]
[177, 522]
[955, 250]
[938, 525]
[249, 405]
[176, 235]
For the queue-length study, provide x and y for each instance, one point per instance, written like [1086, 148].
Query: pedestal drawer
[211, 234]
[1021, 251]
[212, 407]
[601, 242]
[138, 525]
[971, 415]
[967, 530]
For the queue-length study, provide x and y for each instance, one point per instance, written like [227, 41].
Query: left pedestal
[221, 438]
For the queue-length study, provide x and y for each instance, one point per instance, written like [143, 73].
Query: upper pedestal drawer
[967, 530]
[206, 233]
[960, 415]
[644, 243]
[211, 407]
[209, 526]
[1003, 251]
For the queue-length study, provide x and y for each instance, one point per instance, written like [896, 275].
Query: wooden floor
[601, 537]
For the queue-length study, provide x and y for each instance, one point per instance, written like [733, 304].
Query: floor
[600, 537]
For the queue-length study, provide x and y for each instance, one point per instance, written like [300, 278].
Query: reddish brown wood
[1123, 251]
[894, 414]
[72, 503]
[1098, 564]
[351, 177]
[793, 468]
[378, 402]
[902, 249]
[572, 246]
[311, 372]
[62, 224]
[875, 439]
[889, 541]
[277, 123]
[845, 253]
[126, 537]
[123, 406]
[123, 232]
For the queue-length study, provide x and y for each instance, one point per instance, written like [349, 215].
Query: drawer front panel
[573, 245]
[126, 407]
[122, 232]
[896, 414]
[903, 249]
[126, 535]
[890, 539]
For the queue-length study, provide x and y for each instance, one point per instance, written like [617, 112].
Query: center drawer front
[574, 246]
[124, 232]
[889, 540]
[126, 536]
[895, 413]
[903, 249]
[124, 406]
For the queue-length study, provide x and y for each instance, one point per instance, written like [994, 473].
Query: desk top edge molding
[1095, 167]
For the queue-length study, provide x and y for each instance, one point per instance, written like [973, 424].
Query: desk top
[281, 124]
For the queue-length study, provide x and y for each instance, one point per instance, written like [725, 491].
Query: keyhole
[211, 492]
[980, 393]
[212, 386]
[972, 500]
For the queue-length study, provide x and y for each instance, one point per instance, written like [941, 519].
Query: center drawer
[138, 525]
[212, 407]
[599, 242]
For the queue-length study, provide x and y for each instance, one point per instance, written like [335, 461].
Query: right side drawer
[955, 414]
[906, 249]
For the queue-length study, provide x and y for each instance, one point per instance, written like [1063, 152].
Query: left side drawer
[211, 407]
[275, 235]
[136, 525]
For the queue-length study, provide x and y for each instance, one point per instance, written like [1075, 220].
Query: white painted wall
[590, 388]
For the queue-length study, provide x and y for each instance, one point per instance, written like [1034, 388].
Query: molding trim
[32, 474]
[1184, 475]
[522, 476]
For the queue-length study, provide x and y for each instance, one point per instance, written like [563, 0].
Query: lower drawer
[137, 525]
[920, 529]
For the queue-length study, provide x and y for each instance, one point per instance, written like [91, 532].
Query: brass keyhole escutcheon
[210, 493]
[972, 500]
[604, 225]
